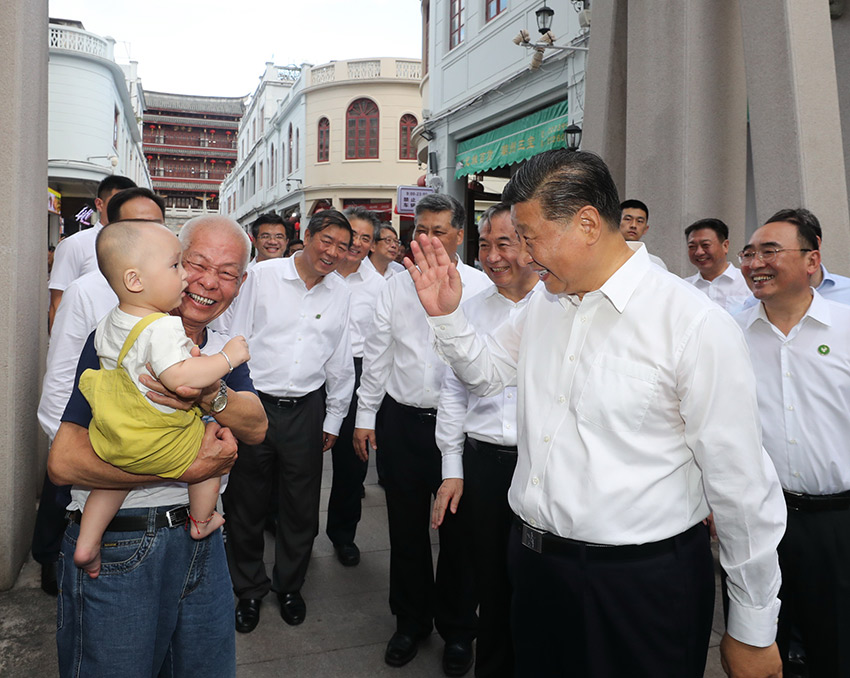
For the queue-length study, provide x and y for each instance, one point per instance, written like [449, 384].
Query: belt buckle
[532, 538]
[176, 516]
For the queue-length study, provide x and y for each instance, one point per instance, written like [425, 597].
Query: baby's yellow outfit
[128, 430]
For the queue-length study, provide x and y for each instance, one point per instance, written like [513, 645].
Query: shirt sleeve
[339, 378]
[451, 413]
[377, 361]
[240, 379]
[66, 265]
[167, 344]
[78, 410]
[716, 384]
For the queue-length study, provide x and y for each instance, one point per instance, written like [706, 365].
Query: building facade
[341, 136]
[485, 109]
[94, 112]
[190, 144]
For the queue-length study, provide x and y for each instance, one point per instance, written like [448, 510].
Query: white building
[340, 135]
[94, 115]
[484, 109]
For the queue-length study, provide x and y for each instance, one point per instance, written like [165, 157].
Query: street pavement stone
[345, 633]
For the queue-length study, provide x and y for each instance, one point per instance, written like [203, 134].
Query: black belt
[426, 415]
[283, 403]
[176, 517]
[797, 501]
[490, 448]
[545, 542]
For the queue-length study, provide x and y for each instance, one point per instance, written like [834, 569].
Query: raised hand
[237, 350]
[436, 278]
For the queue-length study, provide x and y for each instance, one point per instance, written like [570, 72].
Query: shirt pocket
[617, 393]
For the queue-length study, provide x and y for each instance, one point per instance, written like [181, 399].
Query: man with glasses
[271, 238]
[294, 314]
[383, 253]
[708, 245]
[799, 347]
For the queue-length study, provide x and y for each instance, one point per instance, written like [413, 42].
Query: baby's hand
[237, 350]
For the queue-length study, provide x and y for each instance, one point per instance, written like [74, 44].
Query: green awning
[518, 140]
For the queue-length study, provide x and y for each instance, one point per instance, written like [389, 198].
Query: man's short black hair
[113, 209]
[327, 218]
[113, 182]
[715, 225]
[809, 232]
[268, 218]
[563, 182]
[440, 202]
[293, 241]
[360, 212]
[635, 205]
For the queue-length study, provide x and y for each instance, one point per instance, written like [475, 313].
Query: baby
[142, 261]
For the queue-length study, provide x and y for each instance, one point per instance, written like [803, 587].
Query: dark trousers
[50, 522]
[487, 475]
[414, 475]
[349, 472]
[293, 447]
[577, 615]
[814, 556]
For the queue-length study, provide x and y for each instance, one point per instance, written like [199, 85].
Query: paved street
[348, 619]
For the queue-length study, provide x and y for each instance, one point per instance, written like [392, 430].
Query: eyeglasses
[765, 256]
[271, 236]
[389, 240]
[223, 276]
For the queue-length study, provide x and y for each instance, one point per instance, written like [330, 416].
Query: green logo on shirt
[823, 349]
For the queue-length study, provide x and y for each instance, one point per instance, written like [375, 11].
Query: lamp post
[573, 136]
[544, 18]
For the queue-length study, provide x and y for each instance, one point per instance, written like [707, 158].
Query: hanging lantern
[150, 157]
[212, 162]
[227, 162]
[212, 131]
[153, 127]
[228, 132]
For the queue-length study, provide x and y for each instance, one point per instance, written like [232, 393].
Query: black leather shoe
[48, 579]
[401, 649]
[348, 554]
[247, 614]
[457, 658]
[293, 609]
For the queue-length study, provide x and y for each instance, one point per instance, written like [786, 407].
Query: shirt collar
[828, 280]
[620, 287]
[818, 311]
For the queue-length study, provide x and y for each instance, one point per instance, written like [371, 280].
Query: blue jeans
[162, 606]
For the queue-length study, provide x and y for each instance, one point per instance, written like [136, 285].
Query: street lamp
[289, 184]
[544, 18]
[573, 136]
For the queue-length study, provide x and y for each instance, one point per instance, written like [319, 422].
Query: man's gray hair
[220, 224]
[440, 202]
[492, 211]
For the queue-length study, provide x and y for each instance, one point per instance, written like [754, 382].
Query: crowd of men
[572, 418]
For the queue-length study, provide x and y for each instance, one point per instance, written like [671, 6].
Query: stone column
[23, 275]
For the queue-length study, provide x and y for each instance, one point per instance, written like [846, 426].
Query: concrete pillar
[798, 154]
[841, 45]
[23, 275]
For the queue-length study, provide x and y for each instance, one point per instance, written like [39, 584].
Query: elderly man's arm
[72, 460]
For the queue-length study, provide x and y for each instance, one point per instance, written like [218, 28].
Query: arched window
[289, 154]
[272, 166]
[324, 140]
[406, 150]
[361, 131]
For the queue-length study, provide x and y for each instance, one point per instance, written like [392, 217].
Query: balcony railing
[191, 122]
[364, 69]
[408, 69]
[196, 151]
[76, 40]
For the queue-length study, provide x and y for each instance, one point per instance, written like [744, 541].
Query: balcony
[192, 122]
[195, 151]
[76, 40]
[365, 69]
[185, 184]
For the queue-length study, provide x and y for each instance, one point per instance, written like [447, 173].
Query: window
[297, 146]
[289, 154]
[361, 133]
[406, 151]
[272, 167]
[495, 7]
[457, 19]
[324, 140]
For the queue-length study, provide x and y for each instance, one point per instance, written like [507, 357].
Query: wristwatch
[220, 401]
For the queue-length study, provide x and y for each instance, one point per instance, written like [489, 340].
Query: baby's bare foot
[204, 528]
[88, 559]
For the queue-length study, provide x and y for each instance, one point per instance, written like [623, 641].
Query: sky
[220, 47]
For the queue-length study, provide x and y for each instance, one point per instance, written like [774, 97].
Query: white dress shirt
[803, 383]
[392, 268]
[85, 302]
[366, 284]
[491, 420]
[729, 289]
[399, 359]
[637, 416]
[74, 257]
[298, 338]
[658, 261]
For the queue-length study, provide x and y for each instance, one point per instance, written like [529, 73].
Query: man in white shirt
[631, 431]
[477, 438]
[294, 315]
[708, 246]
[798, 342]
[270, 237]
[399, 362]
[87, 300]
[349, 470]
[383, 252]
[634, 223]
[75, 255]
